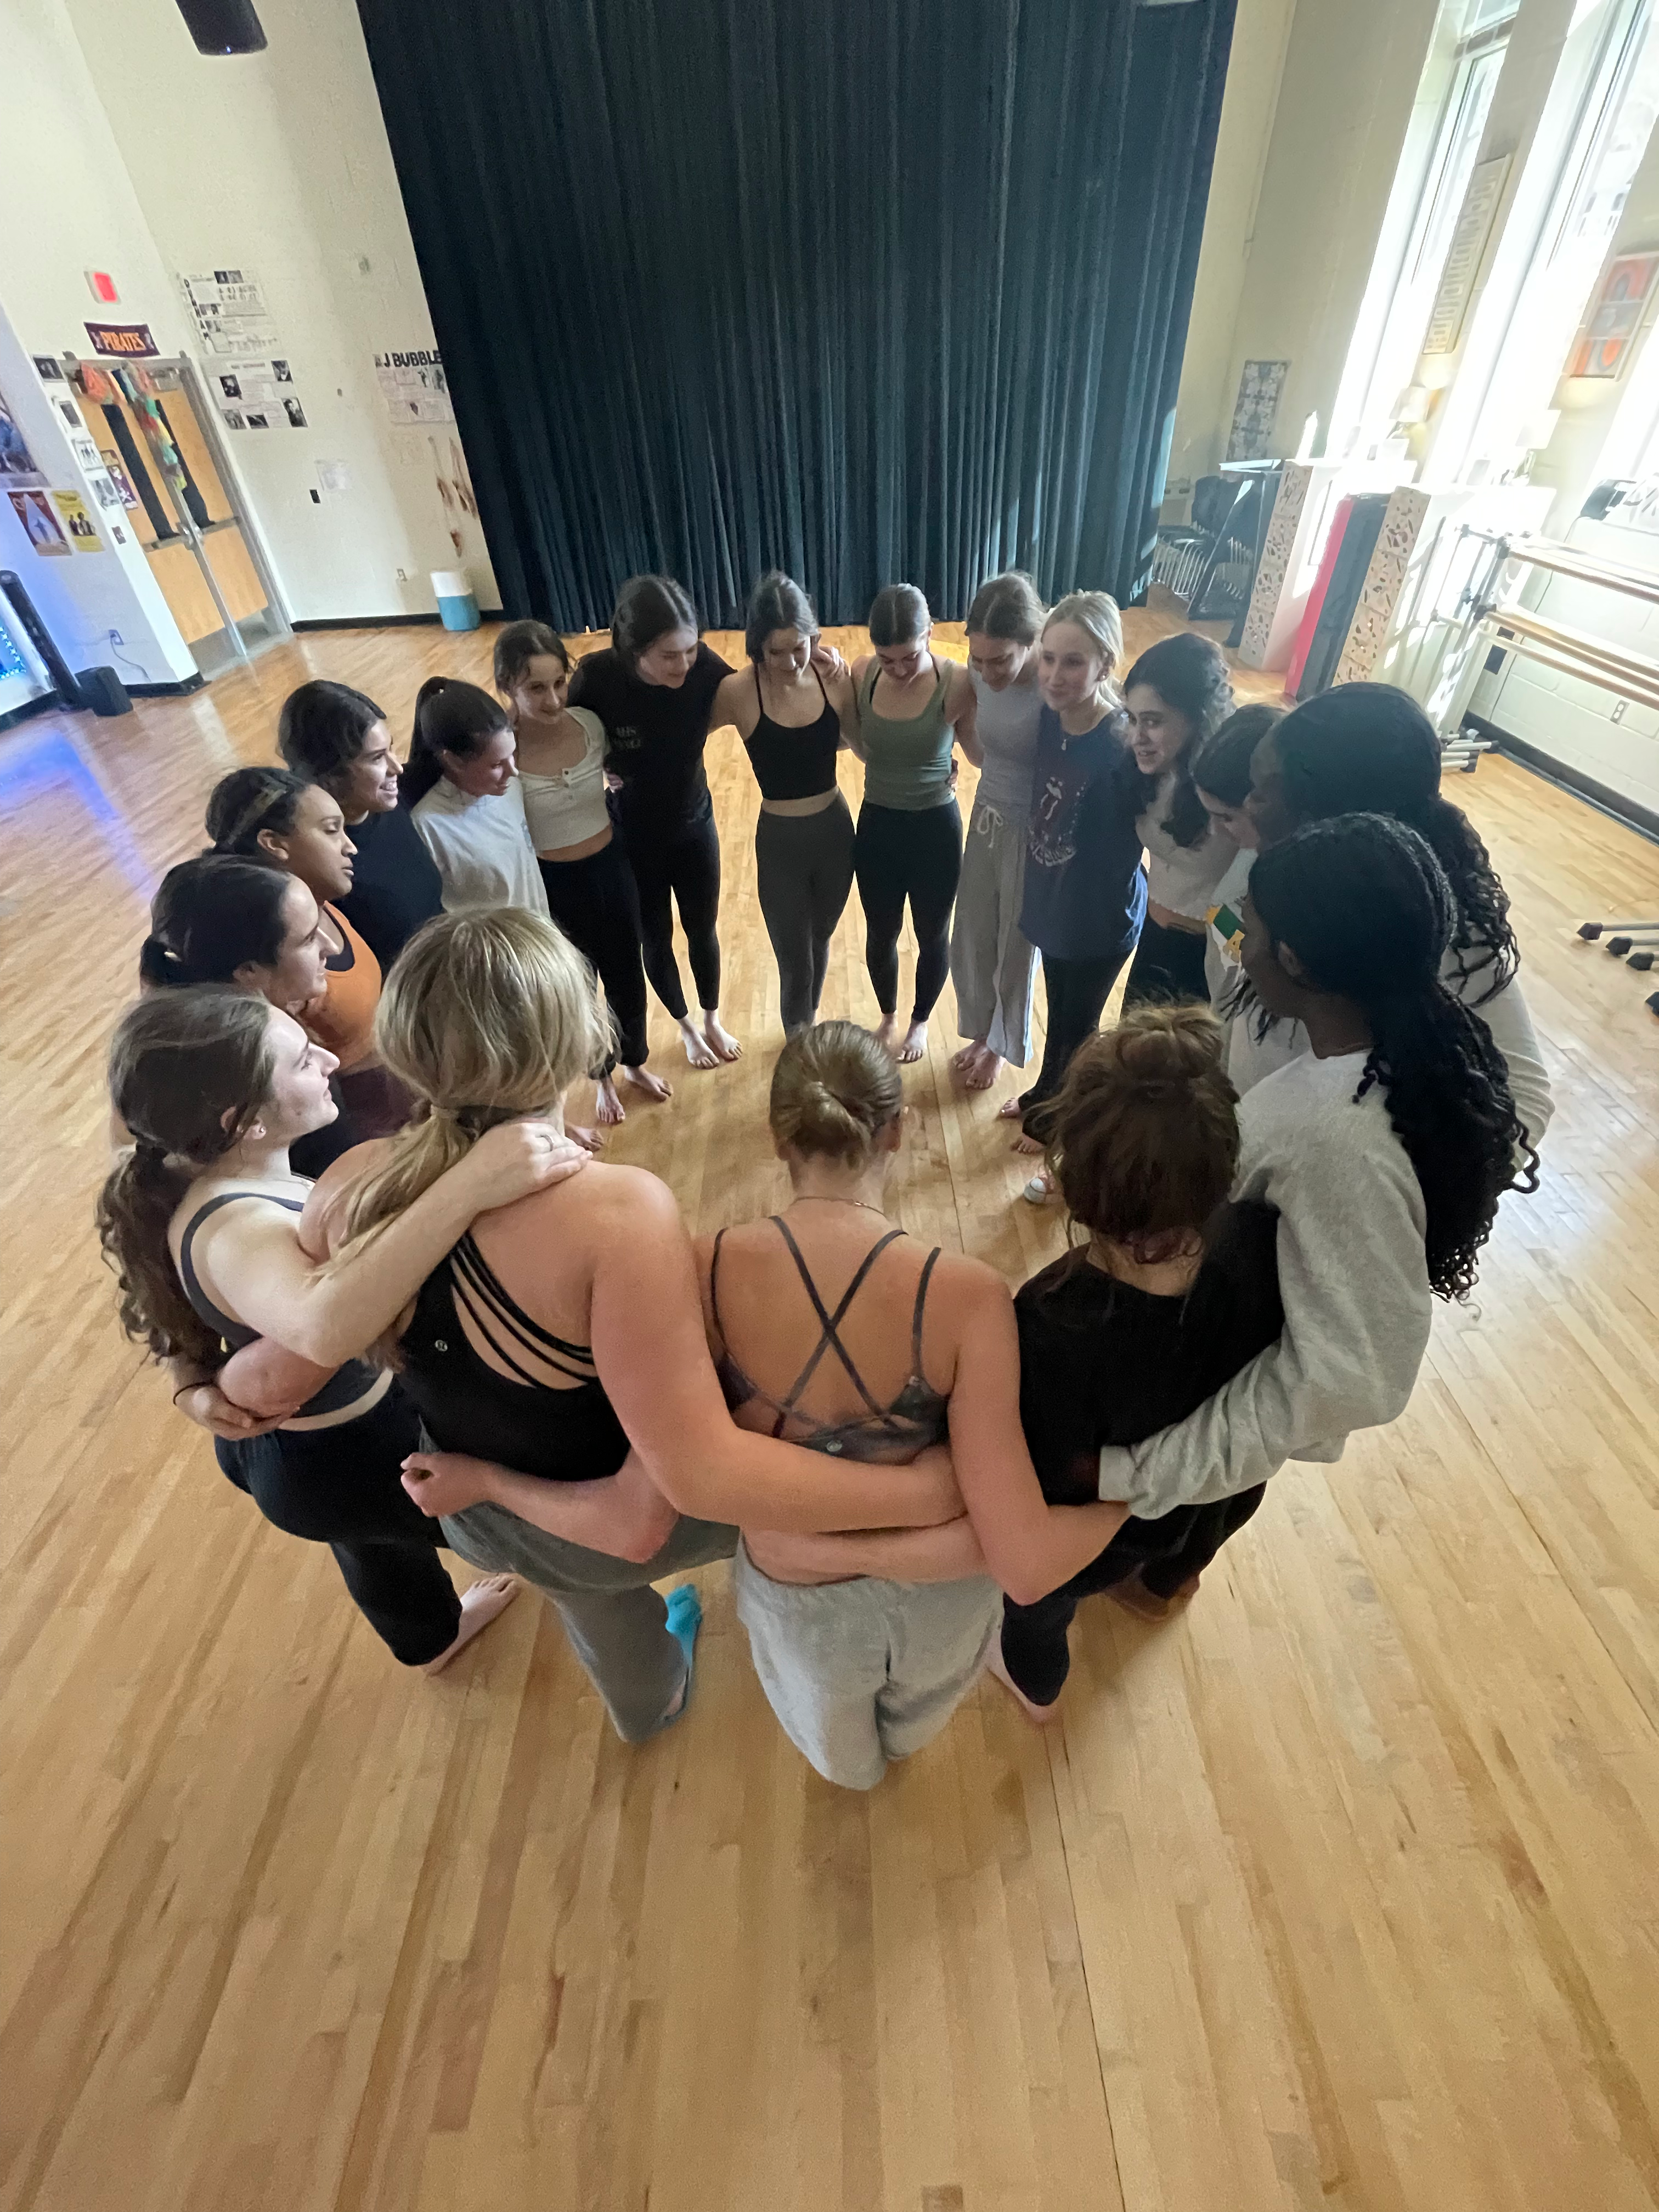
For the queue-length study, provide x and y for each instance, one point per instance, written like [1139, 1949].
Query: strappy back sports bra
[915, 1418]
[515, 1419]
[349, 1383]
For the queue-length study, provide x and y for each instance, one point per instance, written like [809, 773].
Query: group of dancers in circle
[414, 1312]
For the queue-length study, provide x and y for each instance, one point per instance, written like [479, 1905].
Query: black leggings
[1165, 1553]
[678, 864]
[1168, 967]
[340, 1487]
[595, 901]
[899, 855]
[1077, 991]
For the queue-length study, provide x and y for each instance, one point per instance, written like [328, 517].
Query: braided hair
[1370, 749]
[250, 800]
[1367, 909]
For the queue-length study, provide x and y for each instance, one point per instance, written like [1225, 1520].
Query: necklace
[823, 1198]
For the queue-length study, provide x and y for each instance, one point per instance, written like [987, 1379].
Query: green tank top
[907, 765]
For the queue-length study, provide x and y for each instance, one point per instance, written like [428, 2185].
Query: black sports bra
[515, 1419]
[793, 763]
[351, 1381]
[915, 1418]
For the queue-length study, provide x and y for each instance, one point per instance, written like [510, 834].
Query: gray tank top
[348, 1382]
[907, 765]
[1007, 726]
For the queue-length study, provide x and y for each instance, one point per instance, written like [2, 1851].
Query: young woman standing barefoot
[1177, 693]
[913, 710]
[793, 720]
[200, 1223]
[1085, 890]
[652, 690]
[590, 886]
[992, 967]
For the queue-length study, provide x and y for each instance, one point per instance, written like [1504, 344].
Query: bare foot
[1010, 1110]
[963, 1060]
[589, 1139]
[887, 1034]
[1024, 1144]
[985, 1070]
[1041, 1714]
[607, 1106]
[914, 1043]
[652, 1085]
[479, 1606]
[1147, 1605]
[721, 1041]
[698, 1050]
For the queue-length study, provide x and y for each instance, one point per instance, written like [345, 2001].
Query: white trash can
[457, 607]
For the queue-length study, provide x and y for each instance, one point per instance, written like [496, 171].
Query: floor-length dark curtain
[873, 290]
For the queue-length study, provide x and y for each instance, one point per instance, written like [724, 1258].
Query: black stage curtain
[870, 290]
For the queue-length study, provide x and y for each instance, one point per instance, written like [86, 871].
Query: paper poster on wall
[16, 462]
[1256, 411]
[414, 386]
[267, 385]
[34, 510]
[76, 518]
[1604, 344]
[230, 311]
[110, 462]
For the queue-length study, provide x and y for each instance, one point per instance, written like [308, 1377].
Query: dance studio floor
[1340, 1892]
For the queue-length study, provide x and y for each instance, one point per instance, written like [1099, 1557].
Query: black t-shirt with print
[654, 733]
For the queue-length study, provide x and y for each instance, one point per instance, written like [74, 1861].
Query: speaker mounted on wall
[223, 27]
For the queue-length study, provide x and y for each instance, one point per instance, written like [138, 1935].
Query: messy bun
[1145, 1134]
[835, 1087]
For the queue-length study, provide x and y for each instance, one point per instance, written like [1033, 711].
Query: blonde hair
[484, 1016]
[835, 1088]
[1095, 614]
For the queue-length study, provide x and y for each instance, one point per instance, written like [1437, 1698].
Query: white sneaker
[1038, 1191]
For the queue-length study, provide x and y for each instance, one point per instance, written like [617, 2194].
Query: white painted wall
[139, 155]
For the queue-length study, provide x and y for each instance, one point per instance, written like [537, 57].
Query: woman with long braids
[339, 738]
[794, 722]
[1368, 748]
[543, 1348]
[993, 966]
[199, 1220]
[1385, 1146]
[590, 886]
[914, 710]
[652, 689]
[462, 789]
[1175, 695]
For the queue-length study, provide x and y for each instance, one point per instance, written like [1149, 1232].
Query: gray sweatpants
[992, 968]
[859, 1673]
[617, 1623]
[803, 873]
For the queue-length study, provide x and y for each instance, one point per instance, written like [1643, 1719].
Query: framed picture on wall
[1602, 347]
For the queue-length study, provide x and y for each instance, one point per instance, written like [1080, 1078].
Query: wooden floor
[1342, 1892]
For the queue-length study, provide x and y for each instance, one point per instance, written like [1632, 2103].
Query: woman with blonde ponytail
[556, 1354]
[840, 1334]
[1084, 892]
[199, 1221]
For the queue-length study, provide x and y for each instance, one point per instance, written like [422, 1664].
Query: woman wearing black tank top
[200, 1222]
[793, 720]
[556, 1356]
[831, 1330]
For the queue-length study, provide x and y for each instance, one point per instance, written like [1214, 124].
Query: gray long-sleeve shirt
[1354, 1280]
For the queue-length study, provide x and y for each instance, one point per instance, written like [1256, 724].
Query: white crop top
[567, 807]
[1182, 877]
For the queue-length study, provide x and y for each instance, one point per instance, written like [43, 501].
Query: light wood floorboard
[1341, 1892]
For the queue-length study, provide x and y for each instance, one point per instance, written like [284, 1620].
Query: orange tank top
[345, 1021]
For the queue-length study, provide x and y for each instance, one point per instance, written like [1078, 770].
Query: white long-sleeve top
[1352, 1278]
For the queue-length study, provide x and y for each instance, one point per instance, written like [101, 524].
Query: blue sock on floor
[684, 1619]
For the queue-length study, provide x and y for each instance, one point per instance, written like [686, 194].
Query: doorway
[157, 438]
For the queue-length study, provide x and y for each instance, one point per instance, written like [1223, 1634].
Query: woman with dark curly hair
[1385, 1146]
[1369, 749]
[1177, 694]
